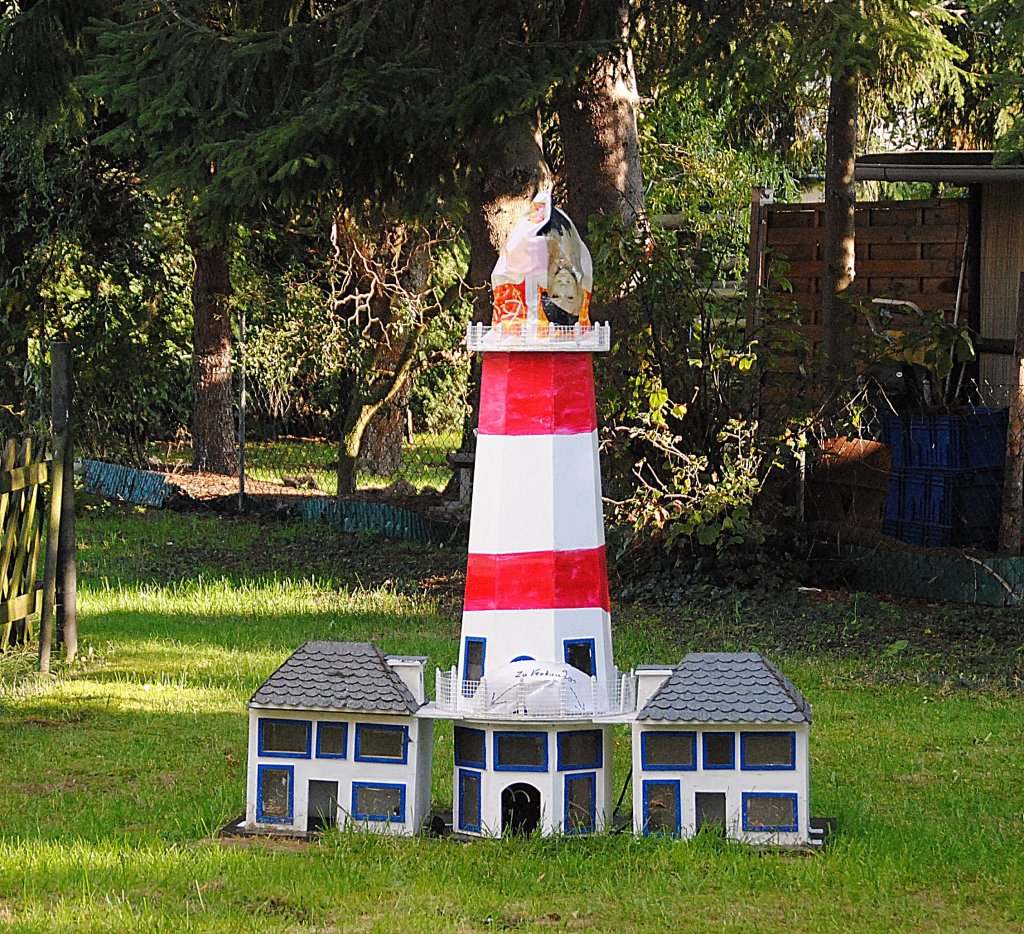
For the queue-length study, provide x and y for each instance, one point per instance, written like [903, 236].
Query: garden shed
[924, 251]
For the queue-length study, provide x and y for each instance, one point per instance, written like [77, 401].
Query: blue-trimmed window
[520, 751]
[382, 742]
[718, 750]
[289, 739]
[470, 747]
[661, 807]
[768, 751]
[331, 740]
[581, 654]
[379, 801]
[275, 794]
[580, 749]
[770, 811]
[580, 802]
[469, 800]
[668, 750]
[473, 658]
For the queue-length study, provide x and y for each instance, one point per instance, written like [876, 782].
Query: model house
[334, 738]
[721, 739]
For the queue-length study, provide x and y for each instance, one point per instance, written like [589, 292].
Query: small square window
[378, 802]
[331, 740]
[284, 738]
[661, 808]
[469, 800]
[376, 742]
[470, 747]
[274, 794]
[768, 750]
[521, 752]
[580, 654]
[580, 749]
[668, 750]
[719, 750]
[580, 803]
[776, 812]
[473, 667]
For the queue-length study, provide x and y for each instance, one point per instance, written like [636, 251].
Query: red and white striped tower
[536, 578]
[535, 689]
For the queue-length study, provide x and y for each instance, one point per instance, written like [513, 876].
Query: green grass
[117, 772]
[424, 465]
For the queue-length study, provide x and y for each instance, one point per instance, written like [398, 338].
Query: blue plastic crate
[985, 438]
[979, 509]
[975, 439]
[920, 495]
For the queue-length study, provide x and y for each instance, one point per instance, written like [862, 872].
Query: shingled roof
[336, 676]
[726, 687]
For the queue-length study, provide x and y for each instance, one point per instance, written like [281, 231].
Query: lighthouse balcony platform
[538, 336]
[554, 701]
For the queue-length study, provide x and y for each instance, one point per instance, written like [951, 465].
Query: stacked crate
[945, 485]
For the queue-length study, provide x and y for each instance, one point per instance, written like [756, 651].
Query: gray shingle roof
[726, 687]
[336, 676]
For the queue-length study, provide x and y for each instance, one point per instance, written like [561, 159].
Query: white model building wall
[734, 782]
[414, 774]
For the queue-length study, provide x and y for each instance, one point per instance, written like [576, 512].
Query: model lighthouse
[536, 673]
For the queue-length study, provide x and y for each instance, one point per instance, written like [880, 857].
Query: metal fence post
[241, 412]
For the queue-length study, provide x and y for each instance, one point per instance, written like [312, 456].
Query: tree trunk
[1011, 526]
[598, 120]
[213, 428]
[839, 239]
[364, 406]
[508, 173]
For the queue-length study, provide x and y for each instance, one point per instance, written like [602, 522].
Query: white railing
[532, 335]
[523, 701]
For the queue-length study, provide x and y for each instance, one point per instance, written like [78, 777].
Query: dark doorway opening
[710, 811]
[323, 806]
[520, 809]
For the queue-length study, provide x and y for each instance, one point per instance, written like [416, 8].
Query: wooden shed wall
[1002, 261]
[904, 249]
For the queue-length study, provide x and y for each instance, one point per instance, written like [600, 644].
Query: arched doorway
[520, 810]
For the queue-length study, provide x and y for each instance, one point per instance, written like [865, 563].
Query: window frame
[579, 776]
[647, 810]
[482, 763]
[591, 643]
[262, 751]
[496, 759]
[567, 767]
[390, 760]
[380, 818]
[344, 731]
[692, 767]
[781, 828]
[262, 818]
[474, 640]
[747, 767]
[704, 750]
[471, 773]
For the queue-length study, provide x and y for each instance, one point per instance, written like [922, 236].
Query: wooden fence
[912, 250]
[24, 471]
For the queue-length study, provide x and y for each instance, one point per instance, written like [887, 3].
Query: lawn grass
[118, 771]
[424, 465]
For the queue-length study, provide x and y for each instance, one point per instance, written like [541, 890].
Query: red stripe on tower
[559, 580]
[537, 394]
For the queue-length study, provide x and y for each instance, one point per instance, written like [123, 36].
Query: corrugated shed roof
[726, 687]
[336, 676]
